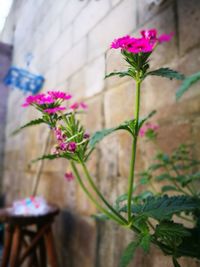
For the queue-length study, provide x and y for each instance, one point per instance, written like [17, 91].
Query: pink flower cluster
[51, 101]
[148, 126]
[69, 176]
[63, 145]
[144, 44]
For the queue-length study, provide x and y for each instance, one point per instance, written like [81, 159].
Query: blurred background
[67, 42]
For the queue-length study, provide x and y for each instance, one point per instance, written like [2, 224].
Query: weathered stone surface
[149, 8]
[115, 62]
[95, 73]
[90, 15]
[112, 27]
[76, 240]
[72, 61]
[118, 104]
[189, 22]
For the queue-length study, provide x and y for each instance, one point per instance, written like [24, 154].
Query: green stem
[90, 196]
[134, 144]
[122, 219]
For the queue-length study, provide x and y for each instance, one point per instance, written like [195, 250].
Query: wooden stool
[29, 238]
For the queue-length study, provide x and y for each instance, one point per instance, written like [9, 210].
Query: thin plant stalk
[122, 219]
[134, 144]
[90, 196]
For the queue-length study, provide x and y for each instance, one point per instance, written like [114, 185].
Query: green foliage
[139, 64]
[49, 157]
[129, 126]
[171, 232]
[121, 74]
[128, 253]
[167, 73]
[31, 123]
[99, 135]
[187, 83]
[163, 208]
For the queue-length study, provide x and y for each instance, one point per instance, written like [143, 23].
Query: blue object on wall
[24, 80]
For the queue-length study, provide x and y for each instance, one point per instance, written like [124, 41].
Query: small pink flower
[146, 127]
[69, 176]
[54, 110]
[122, 42]
[77, 105]
[63, 146]
[149, 34]
[83, 105]
[141, 45]
[74, 106]
[86, 136]
[59, 95]
[58, 133]
[71, 147]
[165, 38]
[45, 100]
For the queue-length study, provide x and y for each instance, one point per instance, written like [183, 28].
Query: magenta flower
[71, 146]
[122, 42]
[59, 95]
[63, 146]
[165, 37]
[45, 100]
[83, 105]
[58, 133]
[150, 35]
[77, 105]
[32, 99]
[86, 136]
[147, 127]
[141, 45]
[69, 176]
[74, 106]
[54, 110]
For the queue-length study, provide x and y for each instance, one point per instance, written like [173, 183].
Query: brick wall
[70, 41]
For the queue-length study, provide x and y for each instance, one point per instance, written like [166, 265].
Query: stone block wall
[70, 42]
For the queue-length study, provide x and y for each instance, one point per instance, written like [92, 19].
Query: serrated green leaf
[163, 176]
[31, 123]
[187, 83]
[170, 229]
[128, 254]
[99, 135]
[162, 208]
[167, 73]
[167, 188]
[145, 242]
[50, 157]
[119, 73]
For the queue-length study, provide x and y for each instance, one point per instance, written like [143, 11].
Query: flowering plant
[151, 217]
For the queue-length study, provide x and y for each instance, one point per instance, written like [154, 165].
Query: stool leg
[15, 251]
[7, 245]
[50, 248]
[42, 253]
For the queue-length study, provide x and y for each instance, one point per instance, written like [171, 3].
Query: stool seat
[29, 238]
[8, 216]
